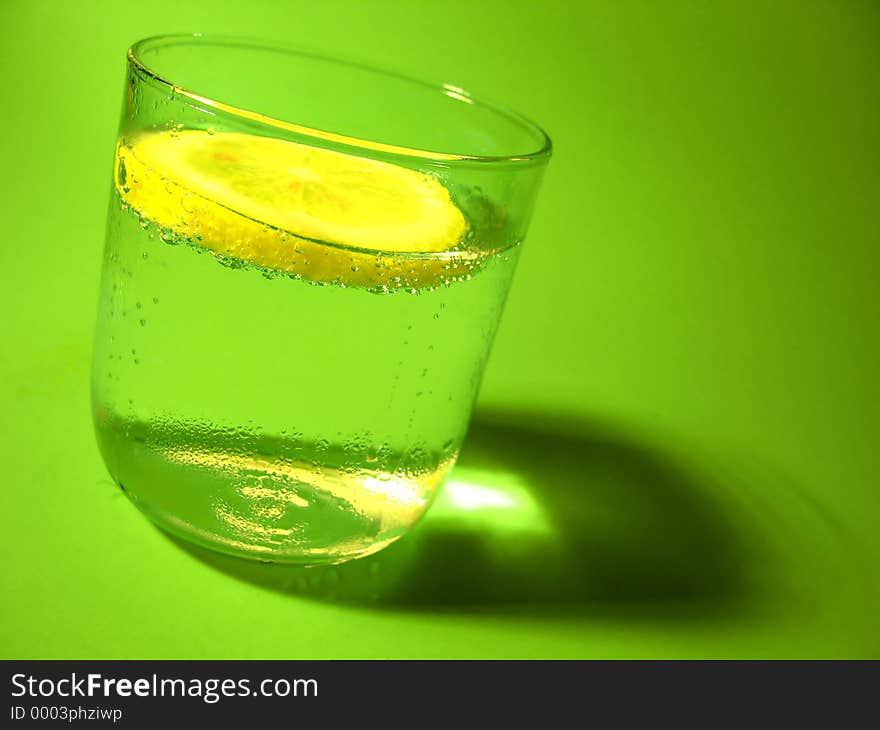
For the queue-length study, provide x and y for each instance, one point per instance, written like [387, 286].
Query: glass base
[261, 498]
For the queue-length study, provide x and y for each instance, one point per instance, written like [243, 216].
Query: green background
[682, 405]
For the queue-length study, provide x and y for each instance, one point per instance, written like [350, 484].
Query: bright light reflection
[475, 496]
[459, 94]
[394, 488]
[496, 501]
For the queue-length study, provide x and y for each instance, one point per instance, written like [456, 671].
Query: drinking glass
[305, 265]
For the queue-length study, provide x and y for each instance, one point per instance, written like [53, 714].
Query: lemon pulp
[315, 213]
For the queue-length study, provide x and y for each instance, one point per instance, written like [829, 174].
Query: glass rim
[541, 154]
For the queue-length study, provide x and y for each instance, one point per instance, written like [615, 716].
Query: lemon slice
[278, 204]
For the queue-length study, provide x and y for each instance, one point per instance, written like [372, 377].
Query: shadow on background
[543, 516]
